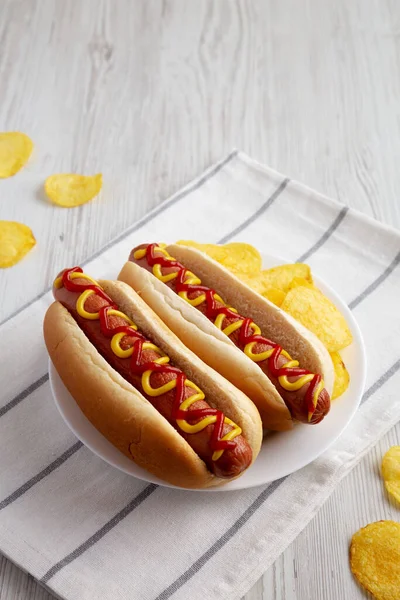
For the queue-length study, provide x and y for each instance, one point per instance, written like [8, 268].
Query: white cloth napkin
[85, 529]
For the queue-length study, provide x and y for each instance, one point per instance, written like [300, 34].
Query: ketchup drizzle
[246, 336]
[138, 366]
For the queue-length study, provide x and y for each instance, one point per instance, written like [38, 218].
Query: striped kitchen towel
[86, 530]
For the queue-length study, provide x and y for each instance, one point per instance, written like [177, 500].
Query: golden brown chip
[274, 295]
[391, 471]
[16, 240]
[15, 150]
[290, 287]
[342, 377]
[70, 190]
[216, 252]
[256, 283]
[313, 310]
[235, 256]
[300, 281]
[242, 258]
[252, 282]
[375, 559]
[281, 277]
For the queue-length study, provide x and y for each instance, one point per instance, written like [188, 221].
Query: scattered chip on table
[316, 312]
[15, 150]
[391, 472]
[342, 377]
[69, 190]
[16, 239]
[375, 559]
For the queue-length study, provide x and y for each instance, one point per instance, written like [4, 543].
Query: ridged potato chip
[235, 256]
[391, 471]
[252, 282]
[298, 281]
[256, 283]
[375, 559]
[282, 277]
[274, 295]
[216, 252]
[15, 150]
[242, 258]
[342, 377]
[69, 190]
[312, 309]
[16, 239]
[290, 287]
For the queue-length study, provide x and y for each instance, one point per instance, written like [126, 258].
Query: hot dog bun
[121, 413]
[210, 344]
[214, 347]
[300, 342]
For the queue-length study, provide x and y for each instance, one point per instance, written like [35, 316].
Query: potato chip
[281, 277]
[16, 240]
[242, 258]
[236, 256]
[216, 252]
[391, 471]
[300, 281]
[15, 150]
[313, 310]
[342, 377]
[252, 282]
[375, 559]
[291, 287]
[274, 295]
[256, 283]
[70, 190]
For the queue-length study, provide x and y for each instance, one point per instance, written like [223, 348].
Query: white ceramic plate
[282, 452]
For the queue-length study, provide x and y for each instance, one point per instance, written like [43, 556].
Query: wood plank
[150, 93]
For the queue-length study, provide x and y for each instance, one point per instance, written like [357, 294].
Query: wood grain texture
[150, 92]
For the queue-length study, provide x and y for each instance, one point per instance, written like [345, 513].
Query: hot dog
[113, 328]
[260, 330]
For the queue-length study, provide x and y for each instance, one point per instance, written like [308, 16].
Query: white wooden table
[150, 93]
